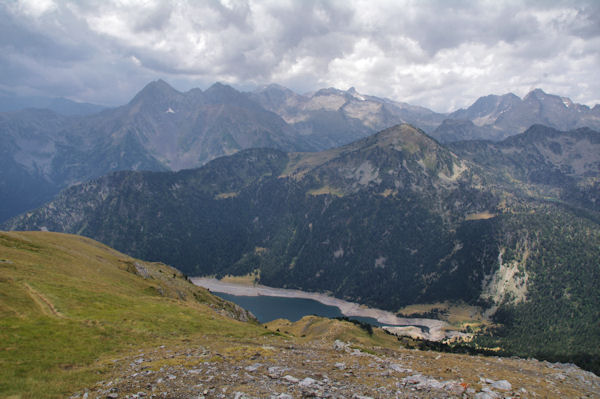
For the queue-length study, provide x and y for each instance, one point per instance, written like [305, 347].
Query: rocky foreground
[320, 368]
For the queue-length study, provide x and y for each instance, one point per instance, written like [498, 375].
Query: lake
[270, 303]
[268, 308]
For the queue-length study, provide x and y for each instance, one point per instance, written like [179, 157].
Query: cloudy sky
[440, 54]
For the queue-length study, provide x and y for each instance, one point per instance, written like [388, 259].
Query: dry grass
[67, 304]
[459, 315]
[480, 216]
[249, 279]
[326, 190]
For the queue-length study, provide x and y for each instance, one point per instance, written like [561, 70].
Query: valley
[420, 221]
[79, 319]
[244, 199]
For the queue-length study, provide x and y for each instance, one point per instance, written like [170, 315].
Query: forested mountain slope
[389, 220]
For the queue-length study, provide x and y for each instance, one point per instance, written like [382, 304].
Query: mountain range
[159, 129]
[333, 117]
[163, 129]
[497, 117]
[512, 227]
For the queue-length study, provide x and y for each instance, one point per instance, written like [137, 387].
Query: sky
[441, 54]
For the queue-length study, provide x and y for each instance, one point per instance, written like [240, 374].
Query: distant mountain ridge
[333, 117]
[159, 129]
[573, 154]
[164, 129]
[342, 115]
[185, 130]
[497, 117]
[9, 102]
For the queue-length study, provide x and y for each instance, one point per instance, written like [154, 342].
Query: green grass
[69, 306]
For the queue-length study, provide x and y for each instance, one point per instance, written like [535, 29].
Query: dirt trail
[45, 305]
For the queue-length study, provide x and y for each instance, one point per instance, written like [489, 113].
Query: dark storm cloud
[440, 54]
[25, 38]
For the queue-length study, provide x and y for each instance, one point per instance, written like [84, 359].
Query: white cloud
[36, 8]
[435, 53]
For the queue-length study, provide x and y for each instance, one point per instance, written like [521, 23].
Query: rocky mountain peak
[274, 96]
[218, 86]
[405, 152]
[154, 89]
[330, 91]
[559, 104]
[537, 94]
[556, 111]
[497, 117]
[220, 93]
[154, 97]
[405, 136]
[356, 95]
[273, 87]
[484, 109]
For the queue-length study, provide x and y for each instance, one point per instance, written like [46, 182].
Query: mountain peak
[393, 159]
[403, 137]
[220, 93]
[352, 91]
[159, 85]
[328, 92]
[155, 89]
[220, 86]
[220, 89]
[406, 133]
[273, 87]
[567, 101]
[535, 93]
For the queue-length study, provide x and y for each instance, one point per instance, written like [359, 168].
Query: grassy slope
[70, 307]
[68, 304]
[74, 312]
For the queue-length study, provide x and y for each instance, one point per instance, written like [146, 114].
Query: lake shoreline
[438, 329]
